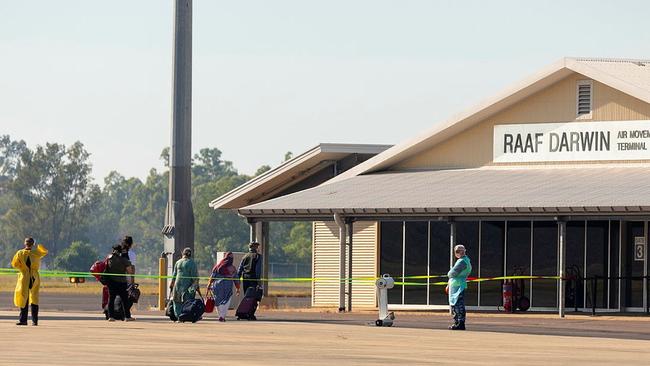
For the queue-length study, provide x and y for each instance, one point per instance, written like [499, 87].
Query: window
[584, 98]
[439, 233]
[416, 242]
[392, 255]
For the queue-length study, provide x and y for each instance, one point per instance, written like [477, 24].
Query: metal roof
[629, 76]
[290, 172]
[481, 191]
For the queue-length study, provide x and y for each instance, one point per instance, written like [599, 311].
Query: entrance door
[633, 265]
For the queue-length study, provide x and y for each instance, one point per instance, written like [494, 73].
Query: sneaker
[111, 319]
[131, 319]
[458, 326]
[21, 323]
[35, 324]
[222, 319]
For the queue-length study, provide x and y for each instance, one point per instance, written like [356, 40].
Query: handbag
[134, 293]
[169, 308]
[209, 302]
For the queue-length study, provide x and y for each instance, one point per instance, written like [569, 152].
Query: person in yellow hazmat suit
[27, 261]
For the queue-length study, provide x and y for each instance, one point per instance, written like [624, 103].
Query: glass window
[575, 263]
[613, 263]
[467, 234]
[391, 256]
[544, 292]
[439, 234]
[492, 244]
[596, 253]
[518, 253]
[632, 288]
[416, 236]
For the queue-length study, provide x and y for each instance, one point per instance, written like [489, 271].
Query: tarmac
[320, 337]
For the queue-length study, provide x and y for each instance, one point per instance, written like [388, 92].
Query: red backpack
[98, 268]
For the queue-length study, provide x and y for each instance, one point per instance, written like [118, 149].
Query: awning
[488, 191]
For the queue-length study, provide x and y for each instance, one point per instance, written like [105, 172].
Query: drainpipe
[342, 233]
[562, 265]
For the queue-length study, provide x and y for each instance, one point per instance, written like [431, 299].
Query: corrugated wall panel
[325, 290]
[557, 103]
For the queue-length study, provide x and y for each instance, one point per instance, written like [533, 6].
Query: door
[633, 265]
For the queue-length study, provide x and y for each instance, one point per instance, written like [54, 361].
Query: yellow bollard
[162, 282]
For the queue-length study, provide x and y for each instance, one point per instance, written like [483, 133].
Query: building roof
[570, 190]
[291, 172]
[629, 76]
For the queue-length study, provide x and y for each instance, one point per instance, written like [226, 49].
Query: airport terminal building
[549, 178]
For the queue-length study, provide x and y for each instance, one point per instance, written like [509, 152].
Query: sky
[282, 75]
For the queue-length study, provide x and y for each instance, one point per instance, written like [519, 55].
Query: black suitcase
[248, 305]
[193, 310]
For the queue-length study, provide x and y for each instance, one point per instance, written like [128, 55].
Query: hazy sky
[272, 76]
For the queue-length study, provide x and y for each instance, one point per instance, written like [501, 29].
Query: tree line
[48, 192]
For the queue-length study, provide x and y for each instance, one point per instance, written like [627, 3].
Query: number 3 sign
[639, 248]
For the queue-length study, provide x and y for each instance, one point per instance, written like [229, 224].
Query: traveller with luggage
[116, 282]
[222, 279]
[184, 282]
[250, 267]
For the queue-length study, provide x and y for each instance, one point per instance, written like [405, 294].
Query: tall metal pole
[179, 217]
[562, 265]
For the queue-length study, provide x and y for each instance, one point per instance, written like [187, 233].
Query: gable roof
[291, 172]
[629, 76]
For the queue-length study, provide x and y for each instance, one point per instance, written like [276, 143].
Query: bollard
[162, 281]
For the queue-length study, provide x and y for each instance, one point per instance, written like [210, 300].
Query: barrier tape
[404, 282]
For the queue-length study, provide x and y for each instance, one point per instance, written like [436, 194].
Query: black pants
[115, 289]
[458, 310]
[249, 282]
[24, 311]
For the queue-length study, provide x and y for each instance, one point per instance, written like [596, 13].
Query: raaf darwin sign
[572, 141]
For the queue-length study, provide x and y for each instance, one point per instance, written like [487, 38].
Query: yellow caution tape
[67, 274]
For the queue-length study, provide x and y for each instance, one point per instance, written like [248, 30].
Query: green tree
[78, 257]
[300, 242]
[52, 194]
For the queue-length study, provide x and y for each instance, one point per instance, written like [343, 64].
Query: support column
[342, 233]
[266, 250]
[350, 227]
[252, 231]
[452, 241]
[562, 265]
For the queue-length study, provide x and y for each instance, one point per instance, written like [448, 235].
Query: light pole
[179, 216]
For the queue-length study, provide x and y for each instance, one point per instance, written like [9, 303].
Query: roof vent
[584, 98]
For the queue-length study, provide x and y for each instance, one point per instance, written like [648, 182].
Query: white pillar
[562, 265]
[350, 228]
[452, 241]
[342, 234]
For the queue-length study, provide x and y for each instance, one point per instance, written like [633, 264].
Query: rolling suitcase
[193, 310]
[248, 305]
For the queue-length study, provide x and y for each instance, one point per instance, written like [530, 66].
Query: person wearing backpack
[116, 281]
[185, 281]
[28, 261]
[250, 267]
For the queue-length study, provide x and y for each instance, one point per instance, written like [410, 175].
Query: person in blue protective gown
[457, 285]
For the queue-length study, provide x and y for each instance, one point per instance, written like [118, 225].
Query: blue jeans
[458, 310]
